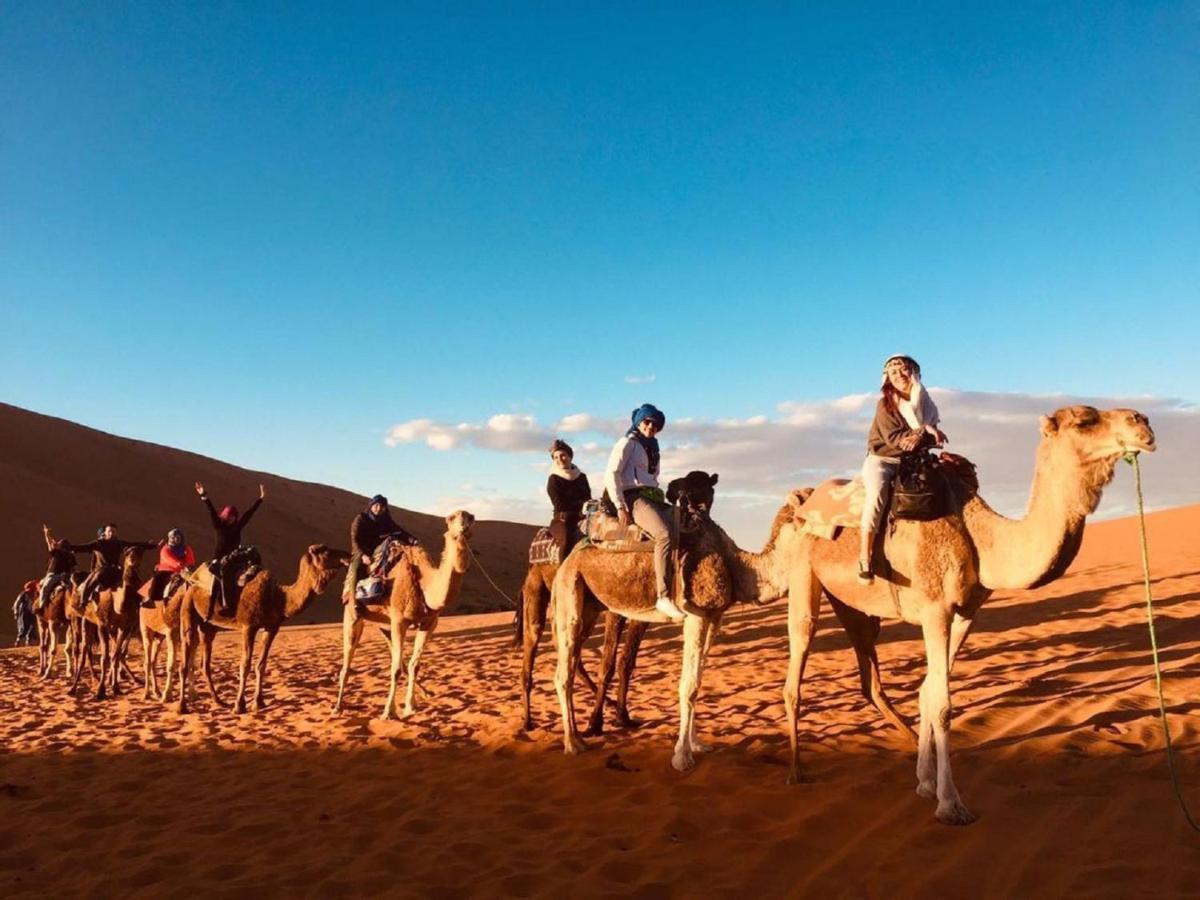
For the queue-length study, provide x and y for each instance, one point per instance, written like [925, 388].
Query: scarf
[180, 552]
[918, 410]
[568, 474]
[650, 445]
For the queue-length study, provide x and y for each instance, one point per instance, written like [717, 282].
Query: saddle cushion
[372, 590]
[833, 504]
[544, 549]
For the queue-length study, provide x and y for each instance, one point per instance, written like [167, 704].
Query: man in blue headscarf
[631, 479]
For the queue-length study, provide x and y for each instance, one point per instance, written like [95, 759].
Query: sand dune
[1058, 750]
[74, 478]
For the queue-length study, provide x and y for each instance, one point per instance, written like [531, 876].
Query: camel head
[325, 563]
[459, 523]
[1096, 435]
[695, 495]
[131, 559]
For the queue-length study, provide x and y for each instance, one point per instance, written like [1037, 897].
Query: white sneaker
[667, 607]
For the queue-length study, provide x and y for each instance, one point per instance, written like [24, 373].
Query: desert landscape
[1058, 749]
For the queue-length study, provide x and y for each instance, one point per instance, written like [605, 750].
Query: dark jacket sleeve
[554, 488]
[89, 547]
[251, 511]
[886, 432]
[212, 512]
[355, 533]
[585, 489]
[398, 531]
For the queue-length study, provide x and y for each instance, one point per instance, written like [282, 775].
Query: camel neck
[1017, 554]
[757, 577]
[443, 583]
[301, 592]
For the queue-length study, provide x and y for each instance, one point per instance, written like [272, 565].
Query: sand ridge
[1057, 748]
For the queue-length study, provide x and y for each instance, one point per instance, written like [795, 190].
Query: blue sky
[270, 234]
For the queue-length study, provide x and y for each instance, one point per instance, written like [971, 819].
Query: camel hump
[833, 504]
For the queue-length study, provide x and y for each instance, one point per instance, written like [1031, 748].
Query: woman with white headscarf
[906, 419]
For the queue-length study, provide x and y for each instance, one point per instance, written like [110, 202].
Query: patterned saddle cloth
[604, 532]
[833, 504]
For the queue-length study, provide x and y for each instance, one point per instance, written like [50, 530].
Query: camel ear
[796, 500]
[714, 478]
[449, 518]
[314, 549]
[1049, 426]
[673, 491]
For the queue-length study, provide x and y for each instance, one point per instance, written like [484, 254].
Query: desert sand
[1057, 747]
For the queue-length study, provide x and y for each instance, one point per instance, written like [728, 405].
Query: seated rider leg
[877, 474]
[655, 520]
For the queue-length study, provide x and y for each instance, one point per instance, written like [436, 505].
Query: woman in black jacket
[569, 491]
[229, 558]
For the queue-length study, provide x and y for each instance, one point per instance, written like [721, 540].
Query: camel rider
[367, 532]
[106, 553]
[60, 566]
[569, 490]
[631, 480]
[229, 558]
[906, 420]
[175, 557]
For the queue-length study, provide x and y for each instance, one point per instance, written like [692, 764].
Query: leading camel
[420, 591]
[264, 604]
[111, 618]
[940, 572]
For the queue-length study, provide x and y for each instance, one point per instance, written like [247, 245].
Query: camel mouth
[1139, 446]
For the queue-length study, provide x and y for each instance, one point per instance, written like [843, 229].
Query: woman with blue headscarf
[631, 480]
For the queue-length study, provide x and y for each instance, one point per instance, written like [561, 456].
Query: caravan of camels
[911, 539]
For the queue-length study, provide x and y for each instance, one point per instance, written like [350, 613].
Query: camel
[420, 591]
[531, 622]
[939, 572]
[159, 624]
[110, 619]
[264, 604]
[715, 573]
[54, 627]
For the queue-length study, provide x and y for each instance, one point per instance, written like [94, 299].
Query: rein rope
[1132, 459]
[511, 602]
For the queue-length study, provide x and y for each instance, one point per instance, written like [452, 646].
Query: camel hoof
[594, 729]
[239, 708]
[406, 712]
[683, 761]
[627, 721]
[573, 746]
[701, 747]
[927, 789]
[796, 776]
[954, 814]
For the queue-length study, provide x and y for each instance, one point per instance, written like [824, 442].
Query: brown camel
[110, 619]
[53, 628]
[714, 573]
[159, 624]
[420, 591]
[939, 572]
[531, 622]
[264, 604]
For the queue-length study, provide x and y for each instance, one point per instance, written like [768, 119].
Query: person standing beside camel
[228, 523]
[23, 613]
[367, 531]
[569, 490]
[906, 420]
[631, 481]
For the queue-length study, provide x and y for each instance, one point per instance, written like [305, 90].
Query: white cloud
[640, 379]
[760, 458]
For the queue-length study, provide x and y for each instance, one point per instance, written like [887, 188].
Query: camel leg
[352, 629]
[396, 642]
[625, 666]
[206, 656]
[567, 603]
[804, 598]
[106, 665]
[960, 627]
[149, 675]
[188, 639]
[535, 602]
[863, 631]
[936, 711]
[249, 633]
[47, 646]
[614, 628]
[173, 653]
[260, 670]
[589, 615]
[710, 635]
[694, 632]
[77, 651]
[414, 664]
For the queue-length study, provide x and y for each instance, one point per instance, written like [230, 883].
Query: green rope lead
[1132, 459]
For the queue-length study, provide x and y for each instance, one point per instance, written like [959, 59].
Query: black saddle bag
[918, 488]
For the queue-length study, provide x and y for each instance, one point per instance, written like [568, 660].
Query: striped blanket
[833, 504]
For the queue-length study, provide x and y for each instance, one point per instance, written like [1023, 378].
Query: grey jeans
[655, 520]
[877, 475]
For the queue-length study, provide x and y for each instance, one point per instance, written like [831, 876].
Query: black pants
[106, 578]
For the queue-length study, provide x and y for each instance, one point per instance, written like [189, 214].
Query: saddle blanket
[833, 504]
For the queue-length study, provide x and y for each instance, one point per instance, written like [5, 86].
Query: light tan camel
[110, 619]
[420, 591]
[264, 604]
[714, 572]
[159, 624]
[939, 572]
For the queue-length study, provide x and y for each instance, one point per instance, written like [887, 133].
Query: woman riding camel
[906, 420]
[228, 523]
[631, 480]
[367, 532]
[60, 566]
[106, 553]
[174, 557]
[569, 490]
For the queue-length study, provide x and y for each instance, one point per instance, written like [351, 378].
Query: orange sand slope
[1057, 743]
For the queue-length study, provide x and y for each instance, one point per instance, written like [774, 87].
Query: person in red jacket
[174, 557]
